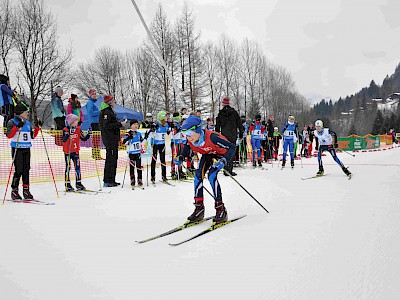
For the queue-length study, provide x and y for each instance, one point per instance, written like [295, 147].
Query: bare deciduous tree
[6, 38]
[42, 61]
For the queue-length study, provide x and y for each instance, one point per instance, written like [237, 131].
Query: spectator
[393, 134]
[198, 113]
[148, 122]
[57, 108]
[270, 136]
[93, 113]
[6, 101]
[74, 107]
[228, 123]
[310, 130]
[210, 124]
[110, 133]
[184, 113]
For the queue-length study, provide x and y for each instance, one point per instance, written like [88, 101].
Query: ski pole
[98, 174]
[298, 140]
[12, 164]
[126, 167]
[67, 177]
[203, 185]
[48, 159]
[246, 191]
[347, 152]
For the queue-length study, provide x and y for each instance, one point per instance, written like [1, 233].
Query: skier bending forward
[324, 136]
[212, 146]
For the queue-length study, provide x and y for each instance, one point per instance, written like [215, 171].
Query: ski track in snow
[324, 238]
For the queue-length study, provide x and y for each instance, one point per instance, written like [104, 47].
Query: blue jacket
[289, 132]
[57, 106]
[92, 111]
[5, 95]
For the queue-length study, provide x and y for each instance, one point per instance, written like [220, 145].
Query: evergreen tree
[352, 129]
[377, 127]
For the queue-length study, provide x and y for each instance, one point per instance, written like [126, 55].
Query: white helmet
[276, 128]
[319, 123]
[291, 117]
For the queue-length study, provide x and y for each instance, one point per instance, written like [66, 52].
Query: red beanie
[92, 91]
[225, 101]
[108, 98]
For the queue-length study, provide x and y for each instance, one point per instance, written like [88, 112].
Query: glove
[80, 123]
[21, 122]
[335, 145]
[178, 160]
[220, 164]
[90, 132]
[316, 148]
[39, 122]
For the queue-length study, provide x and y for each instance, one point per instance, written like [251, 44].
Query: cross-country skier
[161, 130]
[324, 136]
[72, 137]
[290, 134]
[212, 146]
[21, 132]
[133, 140]
[257, 131]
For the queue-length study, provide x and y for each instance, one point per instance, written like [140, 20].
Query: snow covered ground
[325, 238]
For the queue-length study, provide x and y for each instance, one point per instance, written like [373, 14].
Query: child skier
[211, 145]
[176, 145]
[277, 137]
[161, 129]
[72, 135]
[324, 136]
[21, 132]
[290, 134]
[257, 132]
[133, 139]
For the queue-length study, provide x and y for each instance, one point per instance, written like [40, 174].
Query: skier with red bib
[212, 146]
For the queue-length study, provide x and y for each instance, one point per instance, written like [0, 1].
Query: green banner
[359, 143]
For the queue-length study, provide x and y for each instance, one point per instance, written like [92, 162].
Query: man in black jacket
[228, 123]
[270, 136]
[110, 134]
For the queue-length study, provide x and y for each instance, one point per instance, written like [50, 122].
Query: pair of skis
[318, 176]
[88, 192]
[188, 224]
[30, 201]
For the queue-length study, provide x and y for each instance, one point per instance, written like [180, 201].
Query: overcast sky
[332, 48]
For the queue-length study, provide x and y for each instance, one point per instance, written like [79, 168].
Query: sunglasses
[190, 131]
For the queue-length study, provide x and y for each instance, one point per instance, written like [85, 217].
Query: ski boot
[26, 193]
[221, 215]
[292, 163]
[198, 213]
[174, 176]
[254, 164]
[79, 186]
[164, 179]
[140, 183]
[69, 188]
[283, 163]
[15, 194]
[153, 180]
[182, 175]
[346, 171]
[320, 171]
[259, 163]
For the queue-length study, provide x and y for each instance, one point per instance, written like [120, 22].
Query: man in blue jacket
[6, 101]
[93, 113]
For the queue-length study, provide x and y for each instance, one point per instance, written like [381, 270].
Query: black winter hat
[4, 79]
[133, 121]
[258, 117]
[20, 108]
